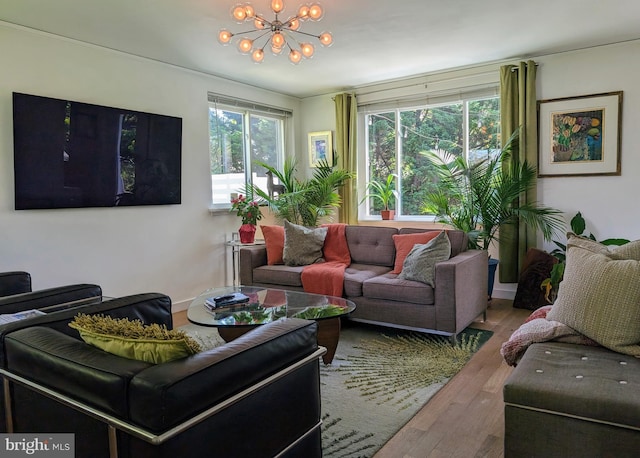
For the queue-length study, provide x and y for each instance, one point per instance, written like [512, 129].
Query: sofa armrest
[48, 297]
[250, 258]
[461, 290]
[15, 282]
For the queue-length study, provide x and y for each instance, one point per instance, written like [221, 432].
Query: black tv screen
[71, 154]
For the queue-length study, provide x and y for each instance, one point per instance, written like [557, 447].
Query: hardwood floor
[465, 418]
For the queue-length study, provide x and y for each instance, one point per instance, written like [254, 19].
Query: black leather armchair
[258, 395]
[15, 282]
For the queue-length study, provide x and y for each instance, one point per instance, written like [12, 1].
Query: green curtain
[518, 111]
[346, 127]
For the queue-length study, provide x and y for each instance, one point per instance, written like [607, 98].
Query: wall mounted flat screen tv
[71, 154]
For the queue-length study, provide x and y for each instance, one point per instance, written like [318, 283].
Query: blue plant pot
[493, 265]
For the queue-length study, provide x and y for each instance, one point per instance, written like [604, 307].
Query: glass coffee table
[266, 305]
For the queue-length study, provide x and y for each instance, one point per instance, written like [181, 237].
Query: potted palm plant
[384, 192]
[479, 197]
[304, 202]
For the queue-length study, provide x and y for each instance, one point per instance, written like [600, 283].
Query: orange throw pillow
[404, 244]
[274, 239]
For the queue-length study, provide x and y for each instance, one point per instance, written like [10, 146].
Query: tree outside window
[396, 140]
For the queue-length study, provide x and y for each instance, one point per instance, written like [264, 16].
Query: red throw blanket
[328, 277]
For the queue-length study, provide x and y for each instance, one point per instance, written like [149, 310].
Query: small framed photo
[320, 148]
[580, 136]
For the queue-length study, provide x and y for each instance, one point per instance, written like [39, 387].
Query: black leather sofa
[258, 395]
[14, 282]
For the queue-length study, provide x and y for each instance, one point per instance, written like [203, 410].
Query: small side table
[235, 246]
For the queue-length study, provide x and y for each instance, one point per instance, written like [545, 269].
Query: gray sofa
[458, 298]
[566, 399]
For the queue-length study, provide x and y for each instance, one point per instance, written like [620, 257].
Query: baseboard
[181, 305]
[504, 291]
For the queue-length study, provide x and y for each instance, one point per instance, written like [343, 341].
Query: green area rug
[378, 380]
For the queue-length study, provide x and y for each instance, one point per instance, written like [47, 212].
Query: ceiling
[374, 40]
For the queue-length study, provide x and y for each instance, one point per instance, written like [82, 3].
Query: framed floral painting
[580, 135]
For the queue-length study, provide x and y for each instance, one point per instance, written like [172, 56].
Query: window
[241, 135]
[396, 139]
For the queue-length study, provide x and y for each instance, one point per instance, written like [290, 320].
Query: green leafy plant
[311, 313]
[480, 197]
[382, 191]
[248, 210]
[578, 227]
[305, 202]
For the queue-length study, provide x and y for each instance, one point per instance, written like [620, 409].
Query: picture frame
[320, 147]
[580, 136]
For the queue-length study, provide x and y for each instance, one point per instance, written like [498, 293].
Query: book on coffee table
[226, 302]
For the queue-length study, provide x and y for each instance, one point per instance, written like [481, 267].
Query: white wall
[609, 204]
[319, 115]
[177, 250]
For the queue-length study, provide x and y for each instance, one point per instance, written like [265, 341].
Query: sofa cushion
[302, 245]
[577, 381]
[356, 274]
[600, 293]
[132, 339]
[371, 245]
[278, 275]
[458, 239]
[404, 243]
[420, 263]
[274, 241]
[390, 287]
[165, 394]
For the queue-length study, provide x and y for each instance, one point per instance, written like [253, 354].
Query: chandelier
[278, 34]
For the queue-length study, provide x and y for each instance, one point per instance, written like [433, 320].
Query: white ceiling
[374, 40]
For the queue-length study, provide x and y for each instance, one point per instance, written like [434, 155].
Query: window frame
[248, 110]
[364, 206]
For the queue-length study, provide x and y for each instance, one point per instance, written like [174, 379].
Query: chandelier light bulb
[249, 11]
[294, 24]
[278, 40]
[239, 13]
[307, 50]
[257, 56]
[295, 56]
[224, 36]
[259, 23]
[316, 12]
[303, 12]
[245, 45]
[276, 50]
[326, 39]
[277, 6]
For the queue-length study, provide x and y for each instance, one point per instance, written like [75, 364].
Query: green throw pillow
[599, 295]
[420, 263]
[134, 340]
[302, 245]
